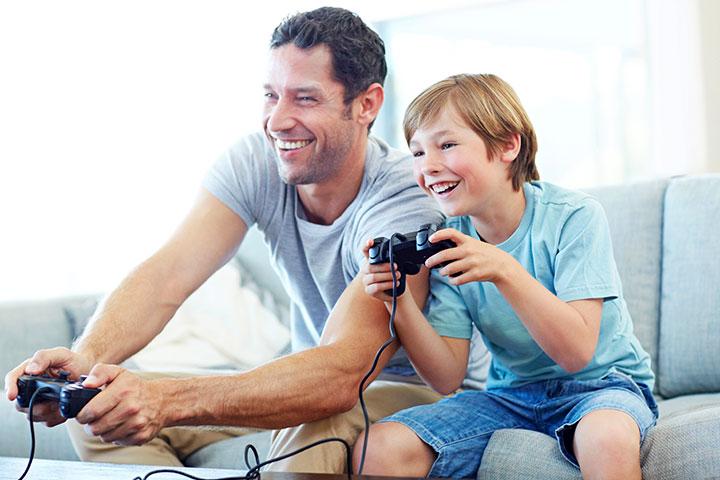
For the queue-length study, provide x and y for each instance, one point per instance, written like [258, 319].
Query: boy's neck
[502, 219]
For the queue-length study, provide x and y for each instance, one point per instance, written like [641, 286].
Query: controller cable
[32, 428]
[253, 472]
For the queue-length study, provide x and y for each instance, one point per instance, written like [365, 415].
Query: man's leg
[382, 398]
[170, 447]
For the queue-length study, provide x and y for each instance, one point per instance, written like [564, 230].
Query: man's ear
[368, 103]
[511, 148]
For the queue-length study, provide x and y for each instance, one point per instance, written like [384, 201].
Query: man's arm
[147, 299]
[298, 388]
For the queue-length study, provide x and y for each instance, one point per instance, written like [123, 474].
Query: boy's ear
[368, 103]
[511, 148]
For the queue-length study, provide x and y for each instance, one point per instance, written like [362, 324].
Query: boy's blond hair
[490, 108]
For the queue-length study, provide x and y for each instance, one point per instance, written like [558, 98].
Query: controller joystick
[72, 396]
[410, 250]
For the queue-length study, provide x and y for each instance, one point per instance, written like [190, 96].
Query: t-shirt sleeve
[584, 265]
[398, 206]
[239, 179]
[446, 310]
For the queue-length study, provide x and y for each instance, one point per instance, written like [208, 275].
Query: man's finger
[102, 374]
[11, 378]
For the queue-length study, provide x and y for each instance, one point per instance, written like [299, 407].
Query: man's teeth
[443, 187]
[282, 144]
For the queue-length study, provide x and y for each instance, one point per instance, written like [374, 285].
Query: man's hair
[490, 107]
[358, 53]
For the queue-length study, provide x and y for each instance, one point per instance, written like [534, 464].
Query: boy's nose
[430, 165]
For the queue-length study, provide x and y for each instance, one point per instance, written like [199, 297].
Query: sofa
[667, 253]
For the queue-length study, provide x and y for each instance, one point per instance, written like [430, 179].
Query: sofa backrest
[689, 358]
[635, 216]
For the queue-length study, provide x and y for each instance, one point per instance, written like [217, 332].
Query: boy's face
[453, 165]
[305, 118]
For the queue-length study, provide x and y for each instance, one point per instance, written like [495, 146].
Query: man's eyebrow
[301, 89]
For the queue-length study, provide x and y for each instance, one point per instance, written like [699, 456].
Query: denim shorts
[458, 428]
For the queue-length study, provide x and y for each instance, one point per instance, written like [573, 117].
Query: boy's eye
[447, 145]
[417, 154]
[269, 95]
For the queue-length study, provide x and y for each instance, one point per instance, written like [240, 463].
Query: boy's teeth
[444, 186]
[282, 144]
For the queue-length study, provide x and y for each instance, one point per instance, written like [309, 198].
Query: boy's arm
[440, 361]
[566, 331]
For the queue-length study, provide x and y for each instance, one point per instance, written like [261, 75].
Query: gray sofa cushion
[681, 446]
[690, 302]
[634, 213]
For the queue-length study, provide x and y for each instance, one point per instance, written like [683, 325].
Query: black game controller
[72, 396]
[410, 251]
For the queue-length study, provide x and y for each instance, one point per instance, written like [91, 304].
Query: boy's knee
[611, 431]
[392, 448]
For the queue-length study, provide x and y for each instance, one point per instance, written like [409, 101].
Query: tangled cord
[254, 472]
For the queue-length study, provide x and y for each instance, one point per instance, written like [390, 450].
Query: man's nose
[280, 116]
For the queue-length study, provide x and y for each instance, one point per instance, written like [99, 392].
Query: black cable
[32, 428]
[254, 472]
[377, 355]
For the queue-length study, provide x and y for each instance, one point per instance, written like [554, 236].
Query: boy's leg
[382, 398]
[395, 451]
[607, 445]
[600, 424]
[445, 439]
[170, 447]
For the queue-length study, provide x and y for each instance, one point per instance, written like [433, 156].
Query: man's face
[305, 119]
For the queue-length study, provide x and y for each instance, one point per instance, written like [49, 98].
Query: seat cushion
[690, 303]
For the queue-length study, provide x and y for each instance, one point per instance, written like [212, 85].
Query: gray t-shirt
[316, 262]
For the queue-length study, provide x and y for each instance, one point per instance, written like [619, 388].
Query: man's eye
[306, 99]
[447, 145]
[269, 95]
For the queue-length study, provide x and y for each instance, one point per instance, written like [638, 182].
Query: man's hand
[471, 260]
[129, 411]
[51, 361]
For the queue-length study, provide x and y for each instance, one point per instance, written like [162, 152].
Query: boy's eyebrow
[434, 136]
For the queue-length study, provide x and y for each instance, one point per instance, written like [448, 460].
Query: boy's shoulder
[547, 193]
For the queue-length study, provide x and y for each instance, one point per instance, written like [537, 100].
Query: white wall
[110, 113]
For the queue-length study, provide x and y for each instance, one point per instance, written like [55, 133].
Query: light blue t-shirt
[563, 240]
[316, 262]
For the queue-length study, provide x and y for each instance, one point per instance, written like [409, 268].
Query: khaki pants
[174, 444]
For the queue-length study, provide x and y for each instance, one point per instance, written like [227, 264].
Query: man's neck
[323, 203]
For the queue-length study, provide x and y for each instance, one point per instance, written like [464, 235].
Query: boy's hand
[378, 278]
[471, 260]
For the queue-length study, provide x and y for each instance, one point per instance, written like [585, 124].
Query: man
[318, 186]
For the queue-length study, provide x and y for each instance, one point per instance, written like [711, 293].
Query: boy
[533, 270]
